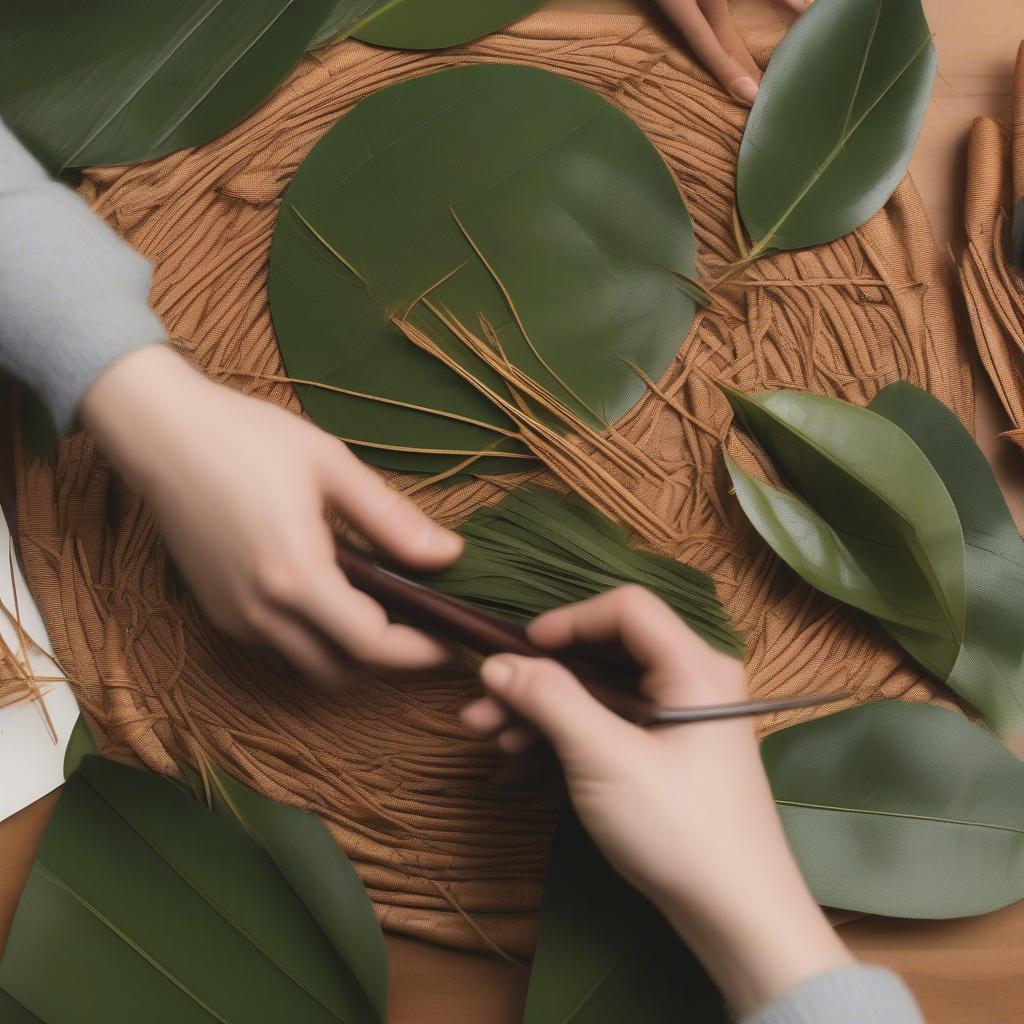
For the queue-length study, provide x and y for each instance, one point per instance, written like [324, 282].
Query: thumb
[384, 517]
[553, 700]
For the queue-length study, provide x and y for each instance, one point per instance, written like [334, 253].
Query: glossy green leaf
[834, 122]
[989, 670]
[901, 809]
[537, 550]
[441, 184]
[113, 81]
[419, 24]
[867, 519]
[80, 746]
[143, 902]
[604, 954]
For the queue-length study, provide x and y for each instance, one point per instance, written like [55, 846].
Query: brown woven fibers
[993, 289]
[447, 852]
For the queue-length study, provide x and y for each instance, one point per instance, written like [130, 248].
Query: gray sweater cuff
[848, 995]
[73, 295]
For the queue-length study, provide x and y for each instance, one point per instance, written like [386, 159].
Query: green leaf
[80, 746]
[834, 122]
[447, 184]
[537, 550]
[869, 520]
[321, 875]
[906, 810]
[141, 898]
[114, 81]
[419, 24]
[12, 1012]
[989, 670]
[604, 954]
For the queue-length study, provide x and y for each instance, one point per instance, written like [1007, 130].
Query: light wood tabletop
[964, 972]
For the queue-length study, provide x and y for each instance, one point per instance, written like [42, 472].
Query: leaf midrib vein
[223, 914]
[899, 814]
[765, 241]
[59, 883]
[147, 77]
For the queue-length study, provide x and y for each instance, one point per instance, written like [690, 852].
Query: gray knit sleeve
[848, 995]
[73, 296]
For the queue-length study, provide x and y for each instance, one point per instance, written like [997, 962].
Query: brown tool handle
[606, 678]
[1017, 126]
[485, 633]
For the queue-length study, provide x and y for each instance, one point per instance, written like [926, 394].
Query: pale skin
[708, 27]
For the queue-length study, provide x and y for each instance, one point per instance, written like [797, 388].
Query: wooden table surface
[963, 972]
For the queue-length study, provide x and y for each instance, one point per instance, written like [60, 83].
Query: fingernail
[744, 89]
[497, 673]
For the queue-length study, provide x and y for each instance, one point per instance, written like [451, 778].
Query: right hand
[683, 812]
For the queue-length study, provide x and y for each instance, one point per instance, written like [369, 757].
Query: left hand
[241, 489]
[709, 29]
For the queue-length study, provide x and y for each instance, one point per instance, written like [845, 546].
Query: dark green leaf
[321, 875]
[537, 550]
[901, 809]
[80, 745]
[869, 520]
[146, 905]
[572, 207]
[112, 81]
[12, 1012]
[419, 24]
[604, 954]
[834, 122]
[989, 671]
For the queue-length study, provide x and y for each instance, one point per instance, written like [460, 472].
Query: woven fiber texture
[450, 843]
[993, 289]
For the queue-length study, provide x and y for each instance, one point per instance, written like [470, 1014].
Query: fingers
[796, 5]
[385, 517]
[719, 17]
[360, 626]
[681, 666]
[709, 47]
[304, 650]
[549, 698]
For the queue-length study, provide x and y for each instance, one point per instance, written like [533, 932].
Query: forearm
[73, 296]
[777, 960]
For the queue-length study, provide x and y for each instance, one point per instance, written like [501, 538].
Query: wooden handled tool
[610, 679]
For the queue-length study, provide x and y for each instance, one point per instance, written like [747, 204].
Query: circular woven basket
[450, 847]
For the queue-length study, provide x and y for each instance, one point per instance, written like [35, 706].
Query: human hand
[709, 29]
[241, 488]
[683, 812]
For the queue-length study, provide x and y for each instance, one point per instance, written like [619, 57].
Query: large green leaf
[604, 954]
[12, 1012]
[537, 550]
[834, 122]
[869, 520]
[145, 905]
[902, 809]
[86, 82]
[989, 670]
[419, 24]
[567, 202]
[322, 877]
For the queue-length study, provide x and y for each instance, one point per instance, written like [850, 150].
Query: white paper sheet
[31, 763]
